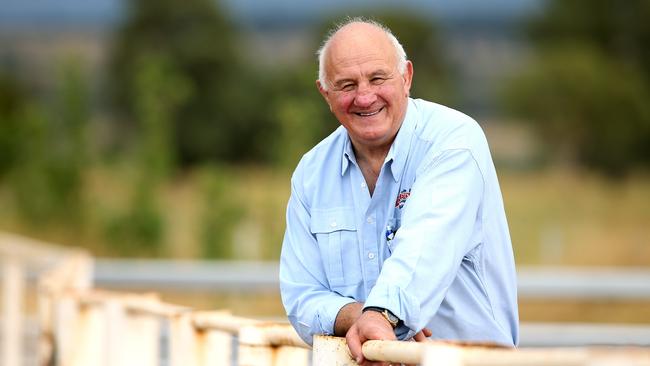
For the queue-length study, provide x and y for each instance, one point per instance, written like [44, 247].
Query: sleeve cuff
[328, 312]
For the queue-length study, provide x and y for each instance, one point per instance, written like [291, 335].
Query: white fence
[333, 351]
[80, 325]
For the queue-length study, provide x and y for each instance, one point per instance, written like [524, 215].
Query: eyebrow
[379, 73]
[375, 73]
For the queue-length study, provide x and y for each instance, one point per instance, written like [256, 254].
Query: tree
[198, 44]
[587, 89]
[48, 151]
[13, 102]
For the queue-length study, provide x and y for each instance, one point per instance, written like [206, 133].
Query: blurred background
[169, 129]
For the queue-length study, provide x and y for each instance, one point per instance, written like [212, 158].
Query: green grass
[556, 217]
[564, 218]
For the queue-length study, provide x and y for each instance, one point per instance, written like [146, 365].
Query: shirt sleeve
[438, 230]
[311, 306]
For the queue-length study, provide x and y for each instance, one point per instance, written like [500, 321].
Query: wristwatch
[390, 317]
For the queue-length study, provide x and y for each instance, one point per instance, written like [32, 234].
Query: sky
[40, 13]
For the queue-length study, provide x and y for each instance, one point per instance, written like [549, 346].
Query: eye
[347, 87]
[377, 80]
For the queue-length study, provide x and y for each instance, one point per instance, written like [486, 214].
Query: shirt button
[363, 185]
[371, 255]
[333, 224]
[369, 220]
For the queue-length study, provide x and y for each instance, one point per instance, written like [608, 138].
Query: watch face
[392, 319]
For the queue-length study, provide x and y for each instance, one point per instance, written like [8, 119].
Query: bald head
[355, 34]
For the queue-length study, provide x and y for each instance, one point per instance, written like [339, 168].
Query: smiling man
[395, 225]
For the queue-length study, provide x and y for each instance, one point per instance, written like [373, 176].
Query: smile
[369, 114]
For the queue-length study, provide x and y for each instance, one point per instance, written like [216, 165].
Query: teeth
[369, 114]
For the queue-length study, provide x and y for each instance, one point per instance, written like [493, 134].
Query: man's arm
[312, 308]
[436, 233]
[347, 316]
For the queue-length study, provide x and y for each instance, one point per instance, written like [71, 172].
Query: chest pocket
[336, 233]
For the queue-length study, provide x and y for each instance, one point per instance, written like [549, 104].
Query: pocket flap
[332, 219]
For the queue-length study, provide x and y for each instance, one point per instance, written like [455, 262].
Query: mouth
[369, 114]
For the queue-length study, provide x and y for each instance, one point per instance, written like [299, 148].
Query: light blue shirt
[431, 244]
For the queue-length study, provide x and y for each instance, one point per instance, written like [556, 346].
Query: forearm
[437, 231]
[347, 316]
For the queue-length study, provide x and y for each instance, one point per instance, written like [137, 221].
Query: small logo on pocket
[402, 197]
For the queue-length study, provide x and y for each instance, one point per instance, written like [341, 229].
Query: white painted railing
[80, 325]
[333, 351]
[61, 270]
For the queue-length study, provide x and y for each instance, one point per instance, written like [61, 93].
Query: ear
[408, 77]
[324, 93]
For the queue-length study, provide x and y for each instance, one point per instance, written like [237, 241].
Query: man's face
[365, 90]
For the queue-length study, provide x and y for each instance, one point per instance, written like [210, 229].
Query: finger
[354, 344]
[375, 363]
[427, 332]
[419, 337]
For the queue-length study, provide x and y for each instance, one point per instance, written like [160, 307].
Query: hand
[422, 335]
[370, 325]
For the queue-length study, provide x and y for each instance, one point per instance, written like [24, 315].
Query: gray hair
[399, 50]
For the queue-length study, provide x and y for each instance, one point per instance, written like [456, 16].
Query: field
[556, 217]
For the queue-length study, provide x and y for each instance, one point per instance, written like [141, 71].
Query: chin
[375, 139]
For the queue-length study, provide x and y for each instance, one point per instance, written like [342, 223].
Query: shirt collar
[398, 150]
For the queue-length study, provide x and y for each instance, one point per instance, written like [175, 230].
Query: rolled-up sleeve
[439, 227]
[311, 306]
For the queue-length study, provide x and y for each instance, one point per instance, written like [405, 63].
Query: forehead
[359, 47]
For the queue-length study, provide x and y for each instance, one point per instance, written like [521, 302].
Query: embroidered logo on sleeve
[402, 197]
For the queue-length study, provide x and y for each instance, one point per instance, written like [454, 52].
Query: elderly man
[395, 224]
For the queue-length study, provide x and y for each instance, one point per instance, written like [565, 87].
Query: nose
[365, 97]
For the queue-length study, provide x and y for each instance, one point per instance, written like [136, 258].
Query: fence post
[65, 311]
[331, 351]
[271, 344]
[13, 292]
[72, 273]
[183, 350]
[134, 334]
[289, 355]
[90, 337]
[255, 355]
[214, 347]
[251, 351]
[216, 331]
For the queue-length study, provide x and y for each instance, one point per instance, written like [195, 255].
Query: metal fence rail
[534, 282]
[583, 334]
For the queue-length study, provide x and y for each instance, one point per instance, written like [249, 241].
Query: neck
[370, 161]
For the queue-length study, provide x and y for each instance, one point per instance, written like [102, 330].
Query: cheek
[388, 93]
[343, 102]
